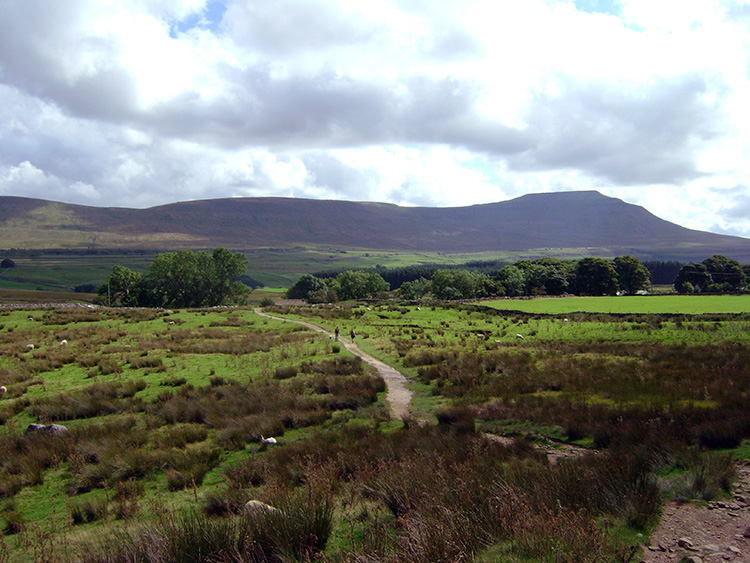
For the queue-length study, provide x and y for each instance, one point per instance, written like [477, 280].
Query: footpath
[398, 396]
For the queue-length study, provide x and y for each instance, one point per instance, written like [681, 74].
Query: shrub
[298, 532]
[14, 521]
[217, 381]
[176, 481]
[720, 434]
[286, 372]
[231, 438]
[174, 381]
[88, 510]
[457, 419]
[222, 503]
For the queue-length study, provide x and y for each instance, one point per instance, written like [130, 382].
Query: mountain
[549, 221]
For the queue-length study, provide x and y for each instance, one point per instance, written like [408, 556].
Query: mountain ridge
[557, 220]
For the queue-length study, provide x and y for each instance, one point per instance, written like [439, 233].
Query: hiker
[352, 335]
[337, 333]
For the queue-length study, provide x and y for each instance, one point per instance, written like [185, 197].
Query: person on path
[352, 335]
[337, 334]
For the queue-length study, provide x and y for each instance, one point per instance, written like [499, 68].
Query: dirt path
[705, 534]
[398, 395]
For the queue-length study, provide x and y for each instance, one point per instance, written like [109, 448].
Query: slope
[564, 220]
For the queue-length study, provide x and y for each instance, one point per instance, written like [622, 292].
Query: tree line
[544, 276]
[717, 274]
[184, 278]
[663, 272]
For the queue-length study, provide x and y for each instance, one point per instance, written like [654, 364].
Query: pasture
[167, 410]
[643, 304]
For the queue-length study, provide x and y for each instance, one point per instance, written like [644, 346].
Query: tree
[692, 278]
[306, 287]
[7, 263]
[726, 273]
[459, 284]
[218, 273]
[596, 276]
[358, 284]
[632, 276]
[414, 289]
[179, 279]
[512, 280]
[122, 288]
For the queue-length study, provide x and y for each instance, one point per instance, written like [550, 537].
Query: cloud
[49, 51]
[647, 134]
[416, 102]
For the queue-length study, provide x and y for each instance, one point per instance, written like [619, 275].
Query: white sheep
[519, 336]
[256, 506]
[63, 343]
[3, 389]
[30, 346]
[268, 440]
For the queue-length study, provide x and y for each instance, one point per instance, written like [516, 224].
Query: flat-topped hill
[562, 220]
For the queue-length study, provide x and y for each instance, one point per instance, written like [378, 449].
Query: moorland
[168, 412]
[538, 430]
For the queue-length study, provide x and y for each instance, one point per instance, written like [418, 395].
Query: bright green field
[677, 304]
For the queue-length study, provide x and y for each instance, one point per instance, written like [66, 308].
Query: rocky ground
[693, 533]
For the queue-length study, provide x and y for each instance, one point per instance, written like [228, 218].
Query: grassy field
[275, 268]
[668, 304]
[166, 411]
[63, 273]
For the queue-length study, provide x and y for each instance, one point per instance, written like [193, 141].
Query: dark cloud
[42, 54]
[627, 136]
[736, 202]
[340, 179]
[326, 110]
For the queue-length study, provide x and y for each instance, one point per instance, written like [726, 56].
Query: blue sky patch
[208, 18]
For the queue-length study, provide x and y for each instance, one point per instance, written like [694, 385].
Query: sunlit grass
[674, 304]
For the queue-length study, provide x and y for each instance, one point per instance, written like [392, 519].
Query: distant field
[678, 304]
[47, 296]
[275, 268]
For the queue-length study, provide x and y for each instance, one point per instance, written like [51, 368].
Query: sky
[137, 103]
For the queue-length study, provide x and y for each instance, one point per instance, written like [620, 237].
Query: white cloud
[412, 102]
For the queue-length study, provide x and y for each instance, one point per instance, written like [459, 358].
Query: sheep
[53, 429]
[63, 343]
[30, 346]
[268, 440]
[257, 507]
[3, 389]
[519, 336]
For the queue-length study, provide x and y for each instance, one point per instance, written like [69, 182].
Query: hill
[550, 221]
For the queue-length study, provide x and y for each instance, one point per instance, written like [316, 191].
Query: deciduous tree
[632, 276]
[596, 276]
